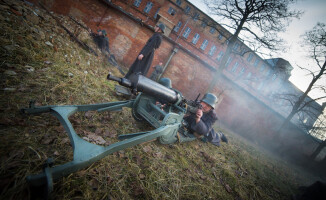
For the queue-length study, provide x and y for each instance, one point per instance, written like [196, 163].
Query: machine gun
[194, 105]
[168, 123]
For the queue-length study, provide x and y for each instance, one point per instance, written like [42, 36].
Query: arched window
[236, 46]
[249, 76]
[220, 55]
[228, 62]
[250, 57]
[171, 11]
[195, 38]
[186, 32]
[235, 67]
[212, 30]
[220, 36]
[204, 45]
[242, 71]
[187, 9]
[148, 7]
[204, 23]
[177, 27]
[256, 62]
[196, 16]
[212, 50]
[137, 3]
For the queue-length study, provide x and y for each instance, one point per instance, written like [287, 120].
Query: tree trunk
[298, 105]
[227, 54]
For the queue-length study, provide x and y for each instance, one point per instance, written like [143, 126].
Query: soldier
[157, 71]
[201, 122]
[101, 40]
[167, 83]
[145, 57]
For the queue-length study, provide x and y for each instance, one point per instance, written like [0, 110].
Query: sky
[314, 11]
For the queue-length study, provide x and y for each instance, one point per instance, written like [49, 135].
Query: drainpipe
[184, 26]
[174, 51]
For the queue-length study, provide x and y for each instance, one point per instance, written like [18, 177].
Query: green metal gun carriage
[168, 123]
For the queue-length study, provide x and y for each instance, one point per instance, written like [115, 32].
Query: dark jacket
[204, 126]
[101, 41]
[148, 50]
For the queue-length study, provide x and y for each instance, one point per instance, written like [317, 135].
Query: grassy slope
[192, 170]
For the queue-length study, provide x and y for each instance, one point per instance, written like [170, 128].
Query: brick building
[191, 52]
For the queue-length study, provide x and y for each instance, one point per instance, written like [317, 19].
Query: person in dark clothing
[167, 83]
[200, 123]
[101, 40]
[144, 59]
[158, 69]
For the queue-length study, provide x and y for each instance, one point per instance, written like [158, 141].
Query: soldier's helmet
[162, 27]
[166, 82]
[210, 99]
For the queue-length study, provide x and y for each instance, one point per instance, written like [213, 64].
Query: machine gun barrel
[149, 87]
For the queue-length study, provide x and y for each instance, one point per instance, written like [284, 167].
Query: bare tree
[315, 41]
[259, 20]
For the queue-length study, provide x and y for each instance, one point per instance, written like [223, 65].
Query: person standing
[101, 40]
[144, 59]
[158, 69]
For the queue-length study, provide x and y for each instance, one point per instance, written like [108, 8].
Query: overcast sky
[314, 11]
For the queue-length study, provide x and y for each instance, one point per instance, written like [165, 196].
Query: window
[262, 68]
[177, 27]
[171, 11]
[242, 50]
[178, 2]
[249, 75]
[256, 62]
[250, 57]
[204, 23]
[236, 46]
[261, 85]
[242, 71]
[212, 30]
[148, 7]
[212, 50]
[137, 3]
[195, 38]
[235, 67]
[186, 32]
[220, 36]
[269, 72]
[220, 55]
[228, 62]
[187, 9]
[196, 16]
[204, 45]
[155, 16]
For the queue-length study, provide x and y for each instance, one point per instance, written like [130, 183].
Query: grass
[67, 74]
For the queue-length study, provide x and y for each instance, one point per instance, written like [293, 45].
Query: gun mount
[168, 123]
